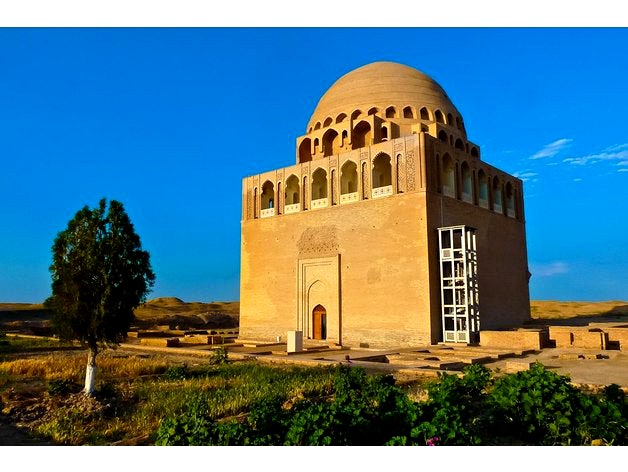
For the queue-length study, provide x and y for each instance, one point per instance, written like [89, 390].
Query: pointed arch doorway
[319, 322]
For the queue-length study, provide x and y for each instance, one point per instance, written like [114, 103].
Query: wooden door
[319, 322]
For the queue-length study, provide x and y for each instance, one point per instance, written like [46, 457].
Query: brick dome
[382, 85]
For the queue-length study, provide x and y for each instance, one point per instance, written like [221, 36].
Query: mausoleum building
[389, 230]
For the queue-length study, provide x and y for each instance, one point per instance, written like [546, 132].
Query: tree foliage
[99, 275]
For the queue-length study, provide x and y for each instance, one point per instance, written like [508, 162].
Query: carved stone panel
[411, 171]
[318, 241]
[401, 174]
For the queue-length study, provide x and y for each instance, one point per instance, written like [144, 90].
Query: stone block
[562, 338]
[520, 339]
[589, 339]
[195, 339]
[160, 342]
[295, 341]
[513, 367]
[618, 336]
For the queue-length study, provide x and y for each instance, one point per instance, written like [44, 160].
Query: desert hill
[35, 318]
[176, 313]
[554, 312]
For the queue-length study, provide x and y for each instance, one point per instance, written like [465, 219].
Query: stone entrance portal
[319, 322]
[318, 297]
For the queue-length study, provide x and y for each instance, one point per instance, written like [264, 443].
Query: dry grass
[550, 309]
[72, 366]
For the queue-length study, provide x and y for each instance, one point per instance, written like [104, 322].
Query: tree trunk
[90, 372]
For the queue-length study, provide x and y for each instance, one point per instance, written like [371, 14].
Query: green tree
[100, 274]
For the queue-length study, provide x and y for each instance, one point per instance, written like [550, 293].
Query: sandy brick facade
[343, 244]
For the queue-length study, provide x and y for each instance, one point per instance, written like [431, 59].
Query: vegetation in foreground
[533, 407]
[151, 400]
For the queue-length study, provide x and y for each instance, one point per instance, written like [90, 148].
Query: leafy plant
[454, 411]
[539, 406]
[61, 386]
[177, 372]
[219, 356]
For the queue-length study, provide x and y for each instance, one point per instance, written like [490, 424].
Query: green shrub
[454, 411]
[61, 386]
[177, 373]
[219, 356]
[541, 407]
[532, 407]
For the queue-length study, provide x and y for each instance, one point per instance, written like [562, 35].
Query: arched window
[317, 125]
[438, 116]
[424, 114]
[448, 177]
[340, 118]
[292, 190]
[510, 201]
[450, 119]
[362, 135]
[408, 113]
[268, 196]
[316, 145]
[372, 111]
[305, 150]
[459, 144]
[467, 183]
[474, 152]
[381, 171]
[331, 142]
[355, 114]
[497, 195]
[319, 184]
[390, 112]
[343, 140]
[384, 133]
[348, 178]
[458, 124]
[327, 121]
[482, 189]
[442, 136]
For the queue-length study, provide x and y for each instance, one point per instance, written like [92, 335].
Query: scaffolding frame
[459, 284]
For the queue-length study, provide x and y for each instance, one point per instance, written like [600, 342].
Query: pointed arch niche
[319, 285]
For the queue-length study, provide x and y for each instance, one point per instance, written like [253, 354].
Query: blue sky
[168, 121]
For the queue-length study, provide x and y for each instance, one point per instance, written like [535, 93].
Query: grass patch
[15, 344]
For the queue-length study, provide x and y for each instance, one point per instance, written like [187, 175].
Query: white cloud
[549, 269]
[617, 147]
[525, 176]
[577, 180]
[622, 170]
[612, 153]
[551, 149]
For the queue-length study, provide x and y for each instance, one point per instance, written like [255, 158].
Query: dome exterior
[381, 85]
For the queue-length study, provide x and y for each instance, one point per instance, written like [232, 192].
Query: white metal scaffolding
[459, 284]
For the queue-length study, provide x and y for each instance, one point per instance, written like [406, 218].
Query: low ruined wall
[520, 339]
